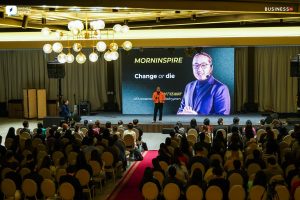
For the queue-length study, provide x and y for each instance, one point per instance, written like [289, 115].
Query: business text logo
[159, 60]
[279, 9]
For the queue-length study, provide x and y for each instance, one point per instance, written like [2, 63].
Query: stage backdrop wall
[171, 69]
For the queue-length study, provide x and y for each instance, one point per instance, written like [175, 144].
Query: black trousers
[158, 107]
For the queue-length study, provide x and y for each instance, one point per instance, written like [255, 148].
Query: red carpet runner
[128, 187]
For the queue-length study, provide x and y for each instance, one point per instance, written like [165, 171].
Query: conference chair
[121, 131]
[164, 165]
[159, 176]
[259, 133]
[216, 156]
[98, 176]
[66, 191]
[171, 191]
[282, 192]
[276, 133]
[258, 192]
[214, 193]
[72, 158]
[237, 192]
[223, 132]
[56, 156]
[29, 188]
[150, 191]
[192, 131]
[297, 194]
[288, 139]
[108, 160]
[191, 139]
[46, 173]
[84, 178]
[84, 130]
[8, 143]
[197, 165]
[194, 192]
[24, 171]
[59, 173]
[253, 168]
[289, 168]
[4, 171]
[36, 142]
[48, 189]
[235, 179]
[8, 188]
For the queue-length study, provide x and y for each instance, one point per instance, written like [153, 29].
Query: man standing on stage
[64, 110]
[158, 98]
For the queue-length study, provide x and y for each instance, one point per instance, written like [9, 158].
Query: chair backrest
[121, 131]
[8, 143]
[297, 194]
[36, 142]
[191, 138]
[258, 192]
[150, 191]
[235, 179]
[276, 133]
[84, 130]
[216, 156]
[45, 173]
[237, 192]
[171, 191]
[108, 158]
[48, 188]
[137, 133]
[194, 192]
[214, 193]
[192, 131]
[159, 176]
[282, 192]
[83, 176]
[259, 133]
[4, 171]
[95, 167]
[129, 141]
[253, 168]
[163, 165]
[29, 187]
[56, 156]
[198, 165]
[59, 173]
[72, 157]
[289, 168]
[287, 139]
[66, 191]
[8, 187]
[24, 171]
[223, 132]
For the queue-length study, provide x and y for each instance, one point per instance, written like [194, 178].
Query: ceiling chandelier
[76, 37]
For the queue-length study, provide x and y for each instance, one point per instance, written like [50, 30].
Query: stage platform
[168, 121]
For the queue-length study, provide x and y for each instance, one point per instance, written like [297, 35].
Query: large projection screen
[172, 70]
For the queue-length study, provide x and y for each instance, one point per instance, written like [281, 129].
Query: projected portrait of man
[206, 95]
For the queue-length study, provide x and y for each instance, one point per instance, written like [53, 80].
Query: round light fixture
[97, 25]
[93, 57]
[81, 58]
[47, 48]
[70, 58]
[45, 31]
[125, 29]
[107, 56]
[77, 47]
[101, 46]
[127, 45]
[62, 58]
[113, 46]
[114, 55]
[117, 28]
[57, 47]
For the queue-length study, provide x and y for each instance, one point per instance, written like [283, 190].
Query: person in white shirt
[130, 131]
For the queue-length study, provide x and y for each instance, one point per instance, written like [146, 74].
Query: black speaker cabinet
[56, 70]
[49, 121]
[84, 108]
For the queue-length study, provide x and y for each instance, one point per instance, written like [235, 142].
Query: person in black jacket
[64, 110]
[70, 178]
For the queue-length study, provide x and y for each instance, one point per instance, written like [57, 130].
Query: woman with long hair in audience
[164, 154]
[219, 144]
[249, 131]
[260, 178]
[148, 177]
[197, 179]
[11, 133]
[186, 148]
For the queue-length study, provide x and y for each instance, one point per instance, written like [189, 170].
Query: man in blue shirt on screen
[206, 95]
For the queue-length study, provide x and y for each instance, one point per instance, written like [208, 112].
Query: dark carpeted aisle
[128, 187]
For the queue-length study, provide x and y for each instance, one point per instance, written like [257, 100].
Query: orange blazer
[158, 98]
